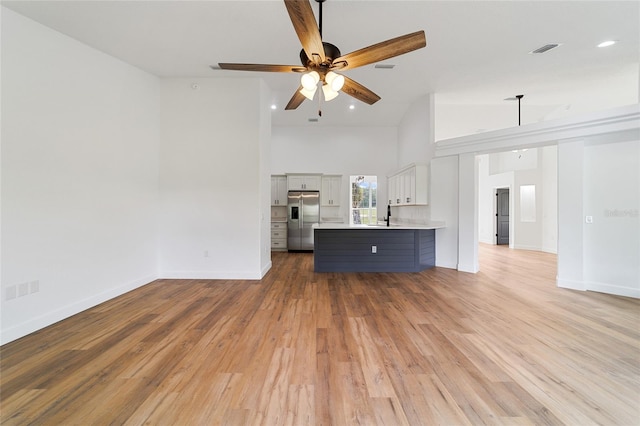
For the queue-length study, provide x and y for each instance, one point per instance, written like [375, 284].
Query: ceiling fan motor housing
[331, 52]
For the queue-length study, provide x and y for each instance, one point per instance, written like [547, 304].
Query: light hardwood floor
[503, 346]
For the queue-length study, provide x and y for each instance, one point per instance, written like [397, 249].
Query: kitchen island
[374, 248]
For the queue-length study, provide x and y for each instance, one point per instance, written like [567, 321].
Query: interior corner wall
[416, 144]
[79, 176]
[211, 198]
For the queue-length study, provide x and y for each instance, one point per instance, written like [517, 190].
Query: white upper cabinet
[303, 182]
[331, 190]
[409, 186]
[278, 190]
[394, 190]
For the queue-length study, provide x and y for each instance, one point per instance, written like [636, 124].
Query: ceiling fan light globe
[336, 81]
[328, 92]
[310, 80]
[309, 93]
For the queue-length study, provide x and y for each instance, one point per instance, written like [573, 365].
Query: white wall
[79, 176]
[570, 215]
[213, 205]
[416, 144]
[264, 141]
[344, 151]
[549, 198]
[444, 208]
[416, 140]
[599, 177]
[611, 189]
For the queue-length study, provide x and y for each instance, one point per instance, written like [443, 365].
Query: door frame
[495, 212]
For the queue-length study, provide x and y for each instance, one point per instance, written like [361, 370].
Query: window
[364, 192]
[528, 203]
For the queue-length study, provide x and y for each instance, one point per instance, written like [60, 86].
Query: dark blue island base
[396, 250]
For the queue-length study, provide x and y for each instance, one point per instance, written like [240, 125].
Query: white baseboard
[13, 333]
[570, 284]
[470, 267]
[525, 247]
[266, 269]
[212, 275]
[448, 265]
[599, 287]
[613, 289]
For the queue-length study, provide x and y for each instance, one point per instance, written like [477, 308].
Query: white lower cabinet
[278, 235]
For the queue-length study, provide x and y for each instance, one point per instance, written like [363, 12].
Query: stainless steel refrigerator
[303, 211]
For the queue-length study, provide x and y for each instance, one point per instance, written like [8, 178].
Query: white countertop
[432, 225]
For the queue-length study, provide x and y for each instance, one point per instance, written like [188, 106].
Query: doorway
[502, 216]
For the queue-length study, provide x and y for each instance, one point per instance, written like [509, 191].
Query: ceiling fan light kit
[310, 80]
[335, 81]
[308, 93]
[329, 93]
[320, 59]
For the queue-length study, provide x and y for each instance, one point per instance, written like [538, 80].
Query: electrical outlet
[374, 249]
[34, 286]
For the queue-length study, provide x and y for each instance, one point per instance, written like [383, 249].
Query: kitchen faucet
[388, 218]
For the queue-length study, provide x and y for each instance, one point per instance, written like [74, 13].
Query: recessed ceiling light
[273, 106]
[607, 43]
[352, 107]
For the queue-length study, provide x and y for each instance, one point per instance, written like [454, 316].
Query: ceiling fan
[320, 60]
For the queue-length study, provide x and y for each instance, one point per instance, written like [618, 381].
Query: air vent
[545, 48]
[313, 120]
[384, 66]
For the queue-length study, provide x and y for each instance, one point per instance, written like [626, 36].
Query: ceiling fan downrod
[320, 17]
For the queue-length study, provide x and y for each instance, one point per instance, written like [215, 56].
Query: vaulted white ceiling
[477, 52]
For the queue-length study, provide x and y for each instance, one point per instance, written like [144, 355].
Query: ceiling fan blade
[295, 100]
[381, 51]
[304, 22]
[260, 67]
[358, 91]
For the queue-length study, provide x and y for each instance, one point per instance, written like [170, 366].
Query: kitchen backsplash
[414, 215]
